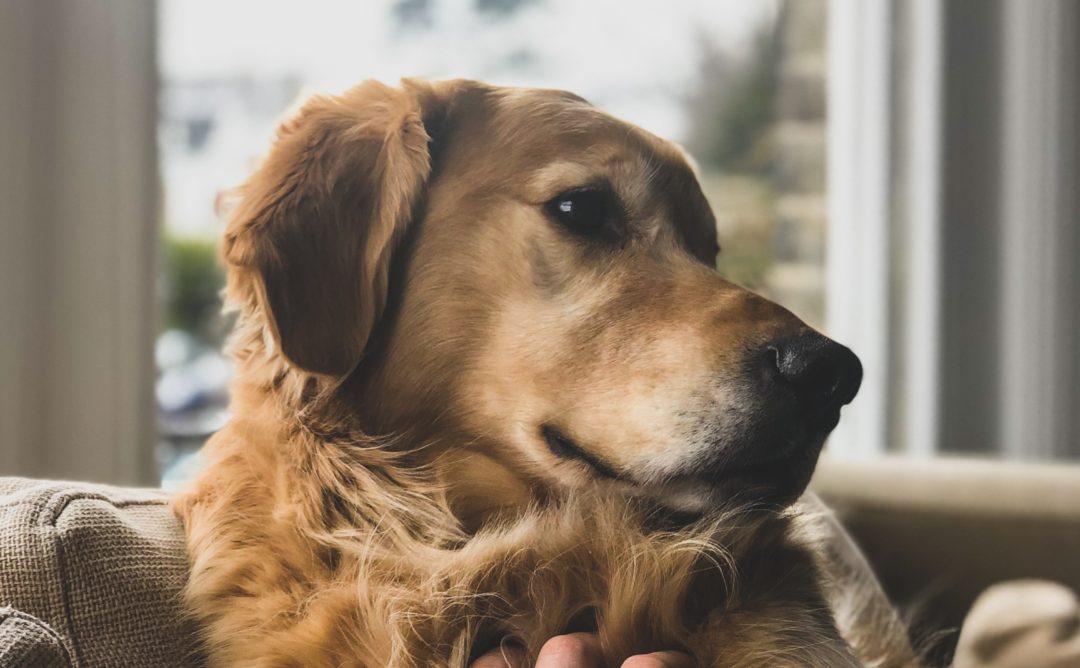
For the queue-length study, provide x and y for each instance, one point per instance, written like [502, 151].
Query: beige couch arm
[946, 529]
[25, 640]
[91, 576]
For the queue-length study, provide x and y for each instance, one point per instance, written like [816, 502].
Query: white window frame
[888, 217]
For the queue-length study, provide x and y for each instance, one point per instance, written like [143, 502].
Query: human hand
[577, 650]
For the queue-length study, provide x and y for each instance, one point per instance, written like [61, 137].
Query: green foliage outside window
[193, 281]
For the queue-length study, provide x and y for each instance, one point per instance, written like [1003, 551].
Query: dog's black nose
[823, 374]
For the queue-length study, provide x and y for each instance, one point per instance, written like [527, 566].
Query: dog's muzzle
[792, 392]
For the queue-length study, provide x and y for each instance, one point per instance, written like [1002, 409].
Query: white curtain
[79, 211]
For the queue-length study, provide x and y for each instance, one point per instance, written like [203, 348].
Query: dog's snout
[823, 374]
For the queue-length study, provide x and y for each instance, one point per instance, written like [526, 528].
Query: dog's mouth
[771, 483]
[564, 447]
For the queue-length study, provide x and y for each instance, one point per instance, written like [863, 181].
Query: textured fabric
[91, 576]
[28, 641]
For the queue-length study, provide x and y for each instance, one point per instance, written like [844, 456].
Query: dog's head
[529, 284]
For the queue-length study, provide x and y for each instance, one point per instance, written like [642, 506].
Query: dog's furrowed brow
[561, 176]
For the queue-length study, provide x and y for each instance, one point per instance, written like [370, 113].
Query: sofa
[91, 576]
[941, 531]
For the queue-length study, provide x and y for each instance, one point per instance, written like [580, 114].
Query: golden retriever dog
[491, 390]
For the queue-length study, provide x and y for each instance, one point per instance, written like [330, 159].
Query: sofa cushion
[27, 641]
[91, 576]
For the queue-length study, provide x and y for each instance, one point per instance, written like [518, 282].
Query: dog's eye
[586, 211]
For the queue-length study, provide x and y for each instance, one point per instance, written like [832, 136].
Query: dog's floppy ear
[316, 223]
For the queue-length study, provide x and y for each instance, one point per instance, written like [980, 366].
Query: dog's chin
[767, 487]
[706, 487]
[736, 494]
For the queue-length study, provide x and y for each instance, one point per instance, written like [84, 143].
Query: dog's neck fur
[318, 433]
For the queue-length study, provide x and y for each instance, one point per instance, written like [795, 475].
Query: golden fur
[406, 319]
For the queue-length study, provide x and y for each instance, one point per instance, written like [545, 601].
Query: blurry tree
[502, 8]
[421, 13]
[731, 116]
[414, 13]
[193, 280]
[731, 112]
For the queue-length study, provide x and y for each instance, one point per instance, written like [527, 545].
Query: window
[953, 147]
[904, 243]
[740, 84]
[949, 262]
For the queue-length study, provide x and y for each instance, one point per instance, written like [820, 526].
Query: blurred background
[900, 173]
